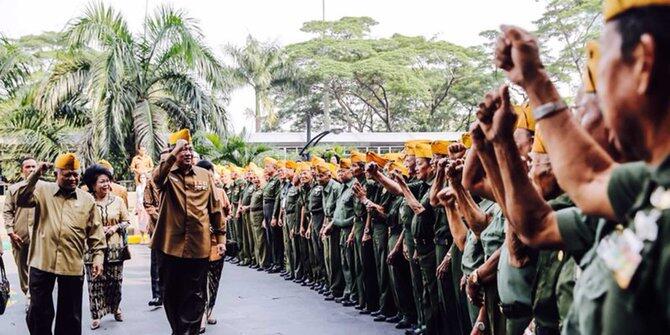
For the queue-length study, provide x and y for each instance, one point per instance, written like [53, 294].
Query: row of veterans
[556, 220]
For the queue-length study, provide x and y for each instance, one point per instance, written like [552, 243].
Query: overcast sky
[226, 21]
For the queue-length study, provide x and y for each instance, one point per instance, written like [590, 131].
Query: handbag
[125, 252]
[4, 287]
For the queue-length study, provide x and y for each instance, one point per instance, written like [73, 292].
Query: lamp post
[314, 141]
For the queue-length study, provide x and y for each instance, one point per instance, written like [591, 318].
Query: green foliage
[232, 149]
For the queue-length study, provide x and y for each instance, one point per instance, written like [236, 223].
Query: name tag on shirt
[621, 253]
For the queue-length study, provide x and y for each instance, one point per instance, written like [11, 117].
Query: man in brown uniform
[188, 206]
[68, 223]
[141, 163]
[151, 202]
[18, 222]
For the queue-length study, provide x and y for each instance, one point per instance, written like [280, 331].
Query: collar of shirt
[61, 193]
[175, 168]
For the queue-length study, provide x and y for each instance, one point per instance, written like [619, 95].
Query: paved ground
[249, 302]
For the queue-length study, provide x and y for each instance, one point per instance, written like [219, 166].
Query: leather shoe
[364, 311]
[289, 277]
[395, 319]
[376, 313]
[403, 324]
[359, 307]
[380, 318]
[342, 299]
[154, 302]
[329, 298]
[348, 303]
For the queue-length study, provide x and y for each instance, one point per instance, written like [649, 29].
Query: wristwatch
[481, 326]
[547, 109]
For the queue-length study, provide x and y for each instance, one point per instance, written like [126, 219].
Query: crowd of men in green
[545, 218]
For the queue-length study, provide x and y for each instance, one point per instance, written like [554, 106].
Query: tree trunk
[257, 111]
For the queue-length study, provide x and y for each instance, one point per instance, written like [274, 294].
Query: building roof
[295, 139]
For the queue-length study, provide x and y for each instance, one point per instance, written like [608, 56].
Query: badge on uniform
[660, 198]
[646, 226]
[621, 253]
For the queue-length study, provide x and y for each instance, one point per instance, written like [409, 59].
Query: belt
[441, 241]
[516, 310]
[257, 209]
[423, 241]
[268, 201]
[318, 211]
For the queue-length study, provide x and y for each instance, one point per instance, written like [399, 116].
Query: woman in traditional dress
[105, 290]
[142, 215]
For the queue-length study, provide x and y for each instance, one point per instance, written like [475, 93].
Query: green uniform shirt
[344, 207]
[515, 285]
[330, 193]
[473, 254]
[493, 236]
[246, 193]
[640, 196]
[442, 232]
[315, 199]
[256, 200]
[292, 209]
[423, 224]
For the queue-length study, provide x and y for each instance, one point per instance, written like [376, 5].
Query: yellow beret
[322, 168]
[466, 140]
[67, 161]
[104, 163]
[440, 147]
[593, 57]
[281, 163]
[397, 166]
[314, 159]
[183, 134]
[304, 166]
[612, 8]
[422, 150]
[394, 156]
[526, 119]
[374, 157]
[292, 165]
[345, 163]
[251, 167]
[357, 157]
[267, 160]
[538, 144]
[409, 146]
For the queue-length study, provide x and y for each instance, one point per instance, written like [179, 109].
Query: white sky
[230, 21]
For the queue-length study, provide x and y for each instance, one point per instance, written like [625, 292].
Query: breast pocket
[596, 280]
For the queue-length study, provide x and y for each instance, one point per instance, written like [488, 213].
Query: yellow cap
[440, 147]
[281, 163]
[394, 156]
[612, 8]
[345, 163]
[251, 167]
[593, 57]
[356, 157]
[409, 146]
[322, 168]
[267, 160]
[183, 134]
[314, 159]
[526, 119]
[67, 161]
[374, 157]
[333, 169]
[466, 140]
[304, 166]
[293, 165]
[422, 150]
[397, 166]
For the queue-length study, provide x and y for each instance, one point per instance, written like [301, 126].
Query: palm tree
[132, 88]
[234, 149]
[262, 66]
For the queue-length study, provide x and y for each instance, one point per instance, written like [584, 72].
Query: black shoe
[411, 330]
[299, 280]
[420, 331]
[329, 298]
[394, 319]
[254, 266]
[259, 269]
[273, 270]
[364, 311]
[403, 324]
[342, 299]
[289, 277]
[380, 318]
[284, 274]
[159, 302]
[376, 313]
[349, 303]
[153, 302]
[359, 307]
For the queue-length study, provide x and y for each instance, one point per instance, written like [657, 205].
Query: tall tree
[133, 87]
[261, 66]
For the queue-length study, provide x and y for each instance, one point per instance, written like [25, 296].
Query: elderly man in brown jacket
[189, 206]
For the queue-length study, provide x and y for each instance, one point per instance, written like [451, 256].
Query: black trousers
[156, 292]
[184, 285]
[41, 311]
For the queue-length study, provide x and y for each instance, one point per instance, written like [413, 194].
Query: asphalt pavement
[249, 302]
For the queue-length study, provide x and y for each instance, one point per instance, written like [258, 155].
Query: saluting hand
[457, 150]
[496, 118]
[43, 167]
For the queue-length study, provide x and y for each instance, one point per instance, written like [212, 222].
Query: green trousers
[288, 250]
[401, 281]
[347, 262]
[517, 326]
[430, 301]
[415, 273]
[497, 323]
[260, 245]
[456, 274]
[333, 259]
[366, 273]
[447, 297]
[248, 238]
[318, 266]
[380, 237]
